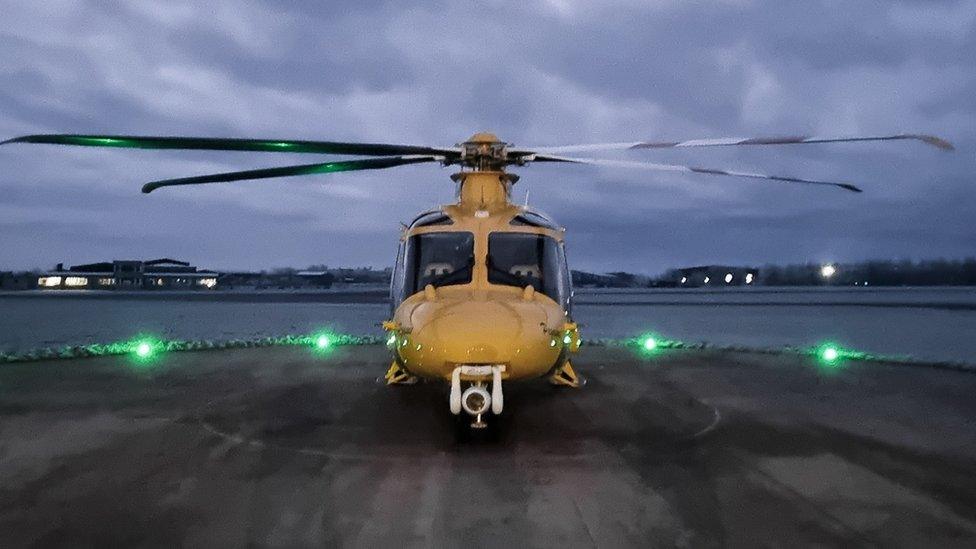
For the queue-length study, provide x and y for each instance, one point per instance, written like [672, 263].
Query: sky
[533, 72]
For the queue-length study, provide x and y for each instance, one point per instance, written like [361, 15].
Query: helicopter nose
[447, 333]
[474, 333]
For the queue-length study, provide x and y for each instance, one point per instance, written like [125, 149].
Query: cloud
[547, 72]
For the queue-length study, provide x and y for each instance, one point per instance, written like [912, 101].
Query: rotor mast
[487, 186]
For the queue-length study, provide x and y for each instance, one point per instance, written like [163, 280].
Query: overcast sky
[535, 73]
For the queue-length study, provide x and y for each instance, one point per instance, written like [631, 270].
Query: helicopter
[481, 292]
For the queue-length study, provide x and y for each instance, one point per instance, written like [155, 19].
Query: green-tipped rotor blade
[220, 144]
[287, 171]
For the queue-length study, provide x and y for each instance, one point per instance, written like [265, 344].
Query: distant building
[715, 275]
[156, 274]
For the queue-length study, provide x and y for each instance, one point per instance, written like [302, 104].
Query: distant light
[684, 279]
[707, 279]
[828, 270]
[391, 341]
[323, 342]
[49, 281]
[728, 278]
[650, 343]
[865, 282]
[567, 339]
[552, 342]
[75, 281]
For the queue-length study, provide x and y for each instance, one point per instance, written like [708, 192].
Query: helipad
[289, 447]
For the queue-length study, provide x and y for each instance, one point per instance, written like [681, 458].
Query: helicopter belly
[446, 334]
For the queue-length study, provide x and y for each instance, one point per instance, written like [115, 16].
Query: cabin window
[439, 259]
[522, 259]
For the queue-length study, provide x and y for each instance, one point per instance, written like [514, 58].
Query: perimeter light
[146, 349]
[649, 343]
[143, 349]
[830, 354]
[828, 270]
[322, 342]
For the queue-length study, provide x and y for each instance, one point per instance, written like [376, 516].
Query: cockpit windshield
[439, 259]
[523, 259]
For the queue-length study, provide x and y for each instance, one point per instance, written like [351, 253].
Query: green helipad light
[649, 344]
[144, 350]
[830, 354]
[323, 342]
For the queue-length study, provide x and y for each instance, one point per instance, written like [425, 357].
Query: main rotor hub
[484, 152]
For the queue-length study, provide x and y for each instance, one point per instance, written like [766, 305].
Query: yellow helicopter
[481, 291]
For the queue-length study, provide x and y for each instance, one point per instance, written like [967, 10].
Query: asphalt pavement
[290, 447]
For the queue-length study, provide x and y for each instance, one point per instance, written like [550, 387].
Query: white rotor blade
[734, 141]
[687, 169]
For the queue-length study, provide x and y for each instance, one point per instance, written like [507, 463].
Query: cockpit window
[439, 259]
[522, 259]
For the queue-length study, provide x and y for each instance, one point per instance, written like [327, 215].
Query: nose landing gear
[475, 399]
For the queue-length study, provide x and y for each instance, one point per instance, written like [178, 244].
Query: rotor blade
[688, 169]
[287, 171]
[220, 144]
[733, 141]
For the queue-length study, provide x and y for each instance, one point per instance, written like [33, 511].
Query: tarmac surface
[286, 447]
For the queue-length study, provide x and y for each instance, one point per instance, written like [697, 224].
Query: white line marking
[716, 418]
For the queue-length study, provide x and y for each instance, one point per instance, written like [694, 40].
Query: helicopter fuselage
[481, 283]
